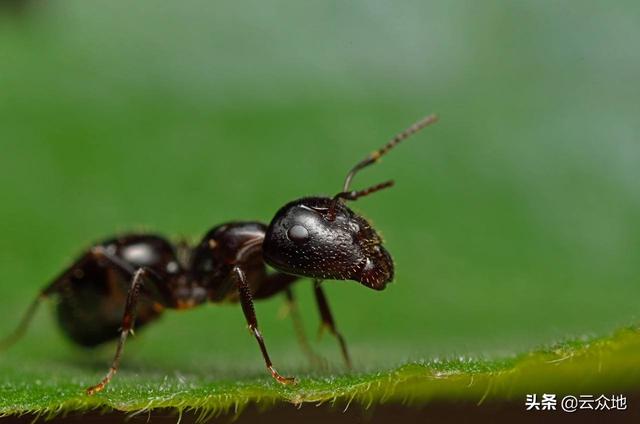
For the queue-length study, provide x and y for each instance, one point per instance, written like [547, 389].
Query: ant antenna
[376, 155]
[355, 195]
[372, 158]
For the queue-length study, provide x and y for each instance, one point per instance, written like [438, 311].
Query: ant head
[302, 239]
[322, 238]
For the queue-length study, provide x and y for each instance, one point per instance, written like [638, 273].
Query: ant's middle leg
[292, 306]
[328, 322]
[250, 314]
[128, 320]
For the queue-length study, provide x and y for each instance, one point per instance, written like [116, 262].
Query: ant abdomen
[93, 293]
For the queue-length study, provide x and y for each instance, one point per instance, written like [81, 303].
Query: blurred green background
[514, 221]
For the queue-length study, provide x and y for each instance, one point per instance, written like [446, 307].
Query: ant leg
[328, 322]
[24, 324]
[276, 283]
[53, 287]
[250, 314]
[127, 327]
[95, 253]
[292, 306]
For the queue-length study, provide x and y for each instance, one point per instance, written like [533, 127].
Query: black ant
[135, 277]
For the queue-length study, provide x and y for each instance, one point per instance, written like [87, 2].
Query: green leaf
[513, 223]
[601, 365]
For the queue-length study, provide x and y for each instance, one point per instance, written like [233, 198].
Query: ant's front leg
[250, 314]
[127, 326]
[276, 283]
[327, 320]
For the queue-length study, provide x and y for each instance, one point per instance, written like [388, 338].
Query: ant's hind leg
[52, 288]
[127, 326]
[328, 322]
[250, 314]
[24, 324]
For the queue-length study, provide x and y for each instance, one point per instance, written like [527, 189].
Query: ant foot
[280, 379]
[100, 386]
[95, 389]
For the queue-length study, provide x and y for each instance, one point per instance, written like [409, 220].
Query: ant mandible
[136, 276]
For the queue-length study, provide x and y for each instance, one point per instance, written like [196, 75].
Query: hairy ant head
[302, 240]
[322, 238]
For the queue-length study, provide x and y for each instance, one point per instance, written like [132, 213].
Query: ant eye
[298, 234]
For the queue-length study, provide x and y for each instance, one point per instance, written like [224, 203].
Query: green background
[514, 221]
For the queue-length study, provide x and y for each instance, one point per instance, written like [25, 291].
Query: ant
[136, 277]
